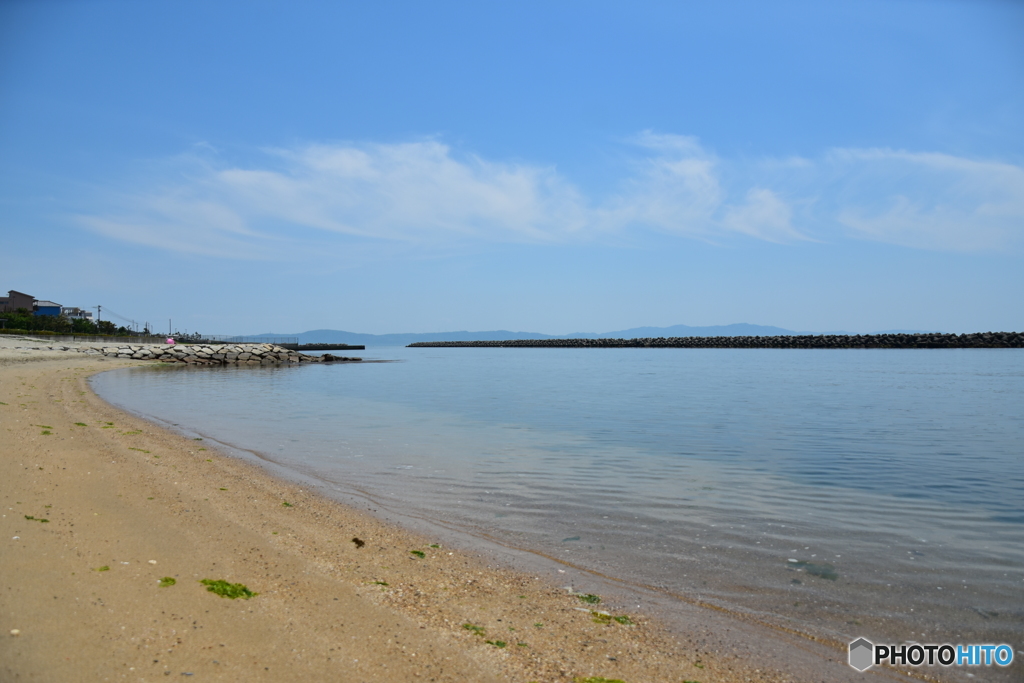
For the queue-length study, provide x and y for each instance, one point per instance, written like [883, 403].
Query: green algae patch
[418, 553]
[605, 618]
[380, 583]
[81, 424]
[46, 432]
[167, 582]
[286, 504]
[140, 450]
[496, 643]
[476, 630]
[35, 519]
[104, 568]
[228, 590]
[589, 598]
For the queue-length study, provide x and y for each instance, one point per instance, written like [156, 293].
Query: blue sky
[549, 167]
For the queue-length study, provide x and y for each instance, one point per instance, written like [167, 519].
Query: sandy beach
[101, 509]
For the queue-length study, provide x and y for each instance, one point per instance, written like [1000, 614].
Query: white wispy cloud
[929, 200]
[763, 215]
[312, 198]
[412, 192]
[674, 189]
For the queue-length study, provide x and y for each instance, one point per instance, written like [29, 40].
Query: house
[75, 313]
[15, 300]
[46, 308]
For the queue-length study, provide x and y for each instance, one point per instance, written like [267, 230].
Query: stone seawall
[977, 340]
[196, 354]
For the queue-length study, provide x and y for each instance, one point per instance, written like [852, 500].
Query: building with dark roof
[15, 300]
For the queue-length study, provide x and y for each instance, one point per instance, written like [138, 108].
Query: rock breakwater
[976, 340]
[195, 354]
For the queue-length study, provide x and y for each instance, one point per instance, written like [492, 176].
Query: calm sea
[844, 493]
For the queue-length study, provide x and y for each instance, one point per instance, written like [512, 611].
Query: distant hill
[908, 332]
[402, 339]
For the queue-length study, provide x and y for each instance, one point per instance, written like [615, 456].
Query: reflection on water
[849, 492]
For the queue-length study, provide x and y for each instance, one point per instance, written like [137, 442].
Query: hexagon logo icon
[862, 654]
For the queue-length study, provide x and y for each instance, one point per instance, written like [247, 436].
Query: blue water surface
[723, 471]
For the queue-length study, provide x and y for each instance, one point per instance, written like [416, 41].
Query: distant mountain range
[402, 339]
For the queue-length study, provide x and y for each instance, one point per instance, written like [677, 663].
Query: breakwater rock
[196, 354]
[976, 340]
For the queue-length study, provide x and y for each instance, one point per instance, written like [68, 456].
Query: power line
[118, 315]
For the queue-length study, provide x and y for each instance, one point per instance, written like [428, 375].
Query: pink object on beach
[170, 341]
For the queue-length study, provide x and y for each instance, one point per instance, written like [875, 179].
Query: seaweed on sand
[228, 590]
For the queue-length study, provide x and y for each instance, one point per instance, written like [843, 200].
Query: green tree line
[22, 320]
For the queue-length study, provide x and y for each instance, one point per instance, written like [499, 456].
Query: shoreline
[212, 514]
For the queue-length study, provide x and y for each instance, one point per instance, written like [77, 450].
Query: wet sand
[122, 494]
